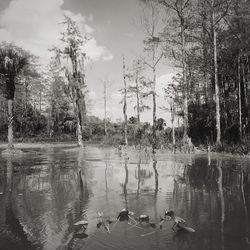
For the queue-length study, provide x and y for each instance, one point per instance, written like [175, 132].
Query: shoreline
[72, 144]
[26, 145]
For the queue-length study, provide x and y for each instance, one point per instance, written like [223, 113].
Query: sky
[116, 30]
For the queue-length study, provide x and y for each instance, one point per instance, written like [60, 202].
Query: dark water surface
[45, 191]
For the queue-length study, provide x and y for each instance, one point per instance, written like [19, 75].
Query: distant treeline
[30, 125]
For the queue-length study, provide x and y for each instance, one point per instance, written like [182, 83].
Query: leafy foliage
[13, 59]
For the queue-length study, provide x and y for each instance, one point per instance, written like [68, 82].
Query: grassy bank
[242, 149]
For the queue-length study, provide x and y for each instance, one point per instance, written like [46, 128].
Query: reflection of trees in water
[156, 238]
[141, 175]
[106, 178]
[206, 173]
[219, 191]
[138, 176]
[175, 198]
[107, 173]
[74, 236]
[3, 190]
[182, 191]
[156, 176]
[15, 235]
[201, 174]
[52, 199]
[222, 202]
[245, 208]
[124, 185]
[82, 182]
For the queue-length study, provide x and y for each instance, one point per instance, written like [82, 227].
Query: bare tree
[151, 23]
[172, 108]
[138, 88]
[106, 83]
[217, 9]
[125, 103]
[181, 11]
[105, 106]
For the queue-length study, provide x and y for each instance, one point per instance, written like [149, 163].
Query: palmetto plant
[13, 60]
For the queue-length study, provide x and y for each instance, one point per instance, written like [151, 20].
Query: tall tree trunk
[77, 84]
[80, 119]
[184, 75]
[172, 122]
[49, 124]
[125, 106]
[207, 91]
[206, 88]
[245, 118]
[40, 101]
[154, 101]
[137, 100]
[79, 134]
[239, 100]
[105, 108]
[77, 112]
[80, 105]
[205, 56]
[26, 104]
[10, 124]
[217, 90]
[156, 176]
[246, 72]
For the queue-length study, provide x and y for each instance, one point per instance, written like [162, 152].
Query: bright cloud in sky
[35, 26]
[161, 83]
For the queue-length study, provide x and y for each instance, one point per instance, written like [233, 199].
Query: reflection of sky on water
[43, 195]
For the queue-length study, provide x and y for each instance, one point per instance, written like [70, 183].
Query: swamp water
[45, 191]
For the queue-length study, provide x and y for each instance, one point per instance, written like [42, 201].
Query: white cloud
[36, 25]
[162, 82]
[96, 52]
